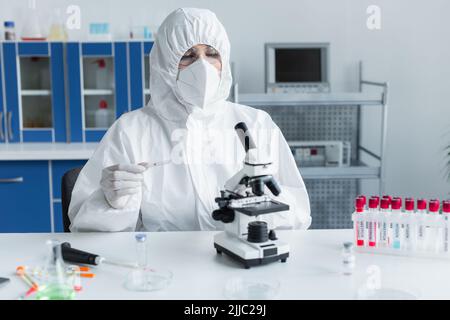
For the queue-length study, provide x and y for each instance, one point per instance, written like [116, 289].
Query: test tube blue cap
[141, 237]
[9, 24]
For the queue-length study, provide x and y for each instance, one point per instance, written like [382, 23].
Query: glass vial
[348, 258]
[141, 250]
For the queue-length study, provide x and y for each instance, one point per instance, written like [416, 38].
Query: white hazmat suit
[200, 142]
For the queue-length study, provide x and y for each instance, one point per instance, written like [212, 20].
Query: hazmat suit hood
[180, 31]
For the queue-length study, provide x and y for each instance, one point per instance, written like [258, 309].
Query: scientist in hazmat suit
[188, 126]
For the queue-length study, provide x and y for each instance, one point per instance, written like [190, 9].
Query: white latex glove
[121, 181]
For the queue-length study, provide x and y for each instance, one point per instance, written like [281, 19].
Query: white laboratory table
[313, 271]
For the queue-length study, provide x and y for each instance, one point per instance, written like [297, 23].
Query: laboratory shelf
[35, 92]
[357, 170]
[310, 99]
[98, 92]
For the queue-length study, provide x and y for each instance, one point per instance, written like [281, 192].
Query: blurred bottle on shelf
[104, 77]
[101, 74]
[142, 33]
[99, 31]
[10, 32]
[102, 115]
[57, 30]
[153, 32]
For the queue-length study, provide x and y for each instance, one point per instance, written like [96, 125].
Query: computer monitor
[297, 67]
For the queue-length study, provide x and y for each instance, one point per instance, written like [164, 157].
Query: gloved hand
[121, 181]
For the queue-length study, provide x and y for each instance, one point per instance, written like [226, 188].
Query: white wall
[419, 119]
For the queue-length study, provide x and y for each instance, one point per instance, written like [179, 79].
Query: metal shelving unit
[358, 169]
[310, 99]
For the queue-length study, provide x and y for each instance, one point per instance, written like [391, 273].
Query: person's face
[201, 51]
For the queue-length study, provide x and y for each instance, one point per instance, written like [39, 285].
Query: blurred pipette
[118, 263]
[154, 164]
[148, 165]
[77, 256]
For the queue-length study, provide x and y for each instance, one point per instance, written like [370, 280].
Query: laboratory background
[408, 50]
[368, 115]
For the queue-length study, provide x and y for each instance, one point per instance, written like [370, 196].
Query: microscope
[243, 205]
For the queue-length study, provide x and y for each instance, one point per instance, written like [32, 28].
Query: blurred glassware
[32, 29]
[141, 33]
[251, 288]
[54, 284]
[99, 31]
[144, 278]
[57, 30]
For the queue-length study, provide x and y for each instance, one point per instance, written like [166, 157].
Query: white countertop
[313, 270]
[46, 151]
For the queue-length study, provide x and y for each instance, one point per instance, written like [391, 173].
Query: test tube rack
[410, 233]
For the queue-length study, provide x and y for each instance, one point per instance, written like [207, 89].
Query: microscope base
[247, 254]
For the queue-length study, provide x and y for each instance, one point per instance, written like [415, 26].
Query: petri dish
[245, 288]
[386, 294]
[148, 279]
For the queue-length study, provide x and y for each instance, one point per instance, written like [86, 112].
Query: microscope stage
[251, 254]
[263, 208]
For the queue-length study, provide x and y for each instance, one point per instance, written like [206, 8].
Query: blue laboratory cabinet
[34, 108]
[30, 192]
[139, 73]
[52, 91]
[97, 76]
[2, 109]
[25, 194]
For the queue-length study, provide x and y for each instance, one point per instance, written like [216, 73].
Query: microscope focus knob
[224, 214]
[272, 235]
[257, 232]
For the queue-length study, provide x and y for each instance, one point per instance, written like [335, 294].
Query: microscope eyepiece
[244, 135]
[242, 126]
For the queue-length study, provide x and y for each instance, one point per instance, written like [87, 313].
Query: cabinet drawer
[25, 196]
